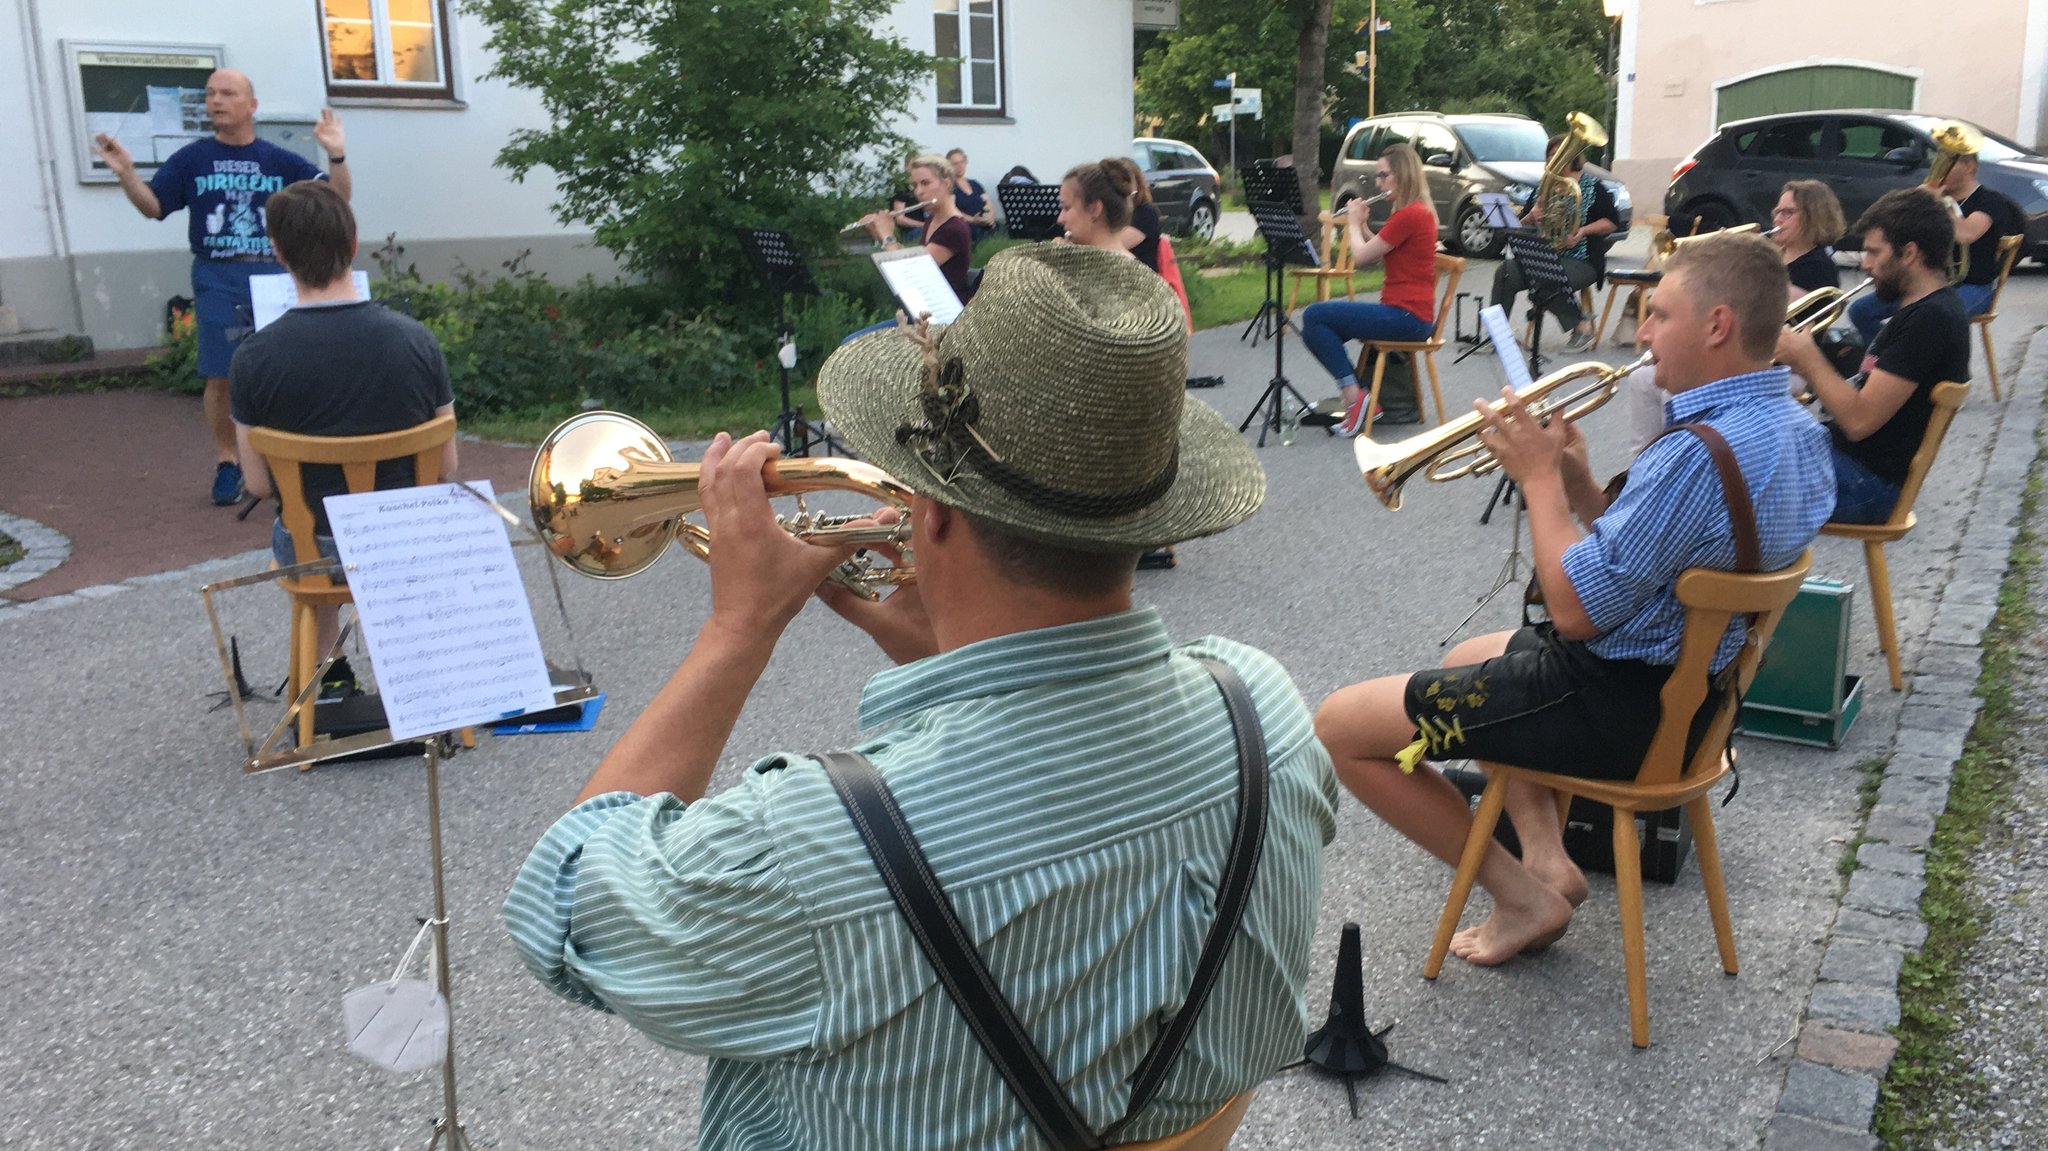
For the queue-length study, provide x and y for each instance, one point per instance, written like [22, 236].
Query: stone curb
[46, 547]
[1845, 1043]
[202, 572]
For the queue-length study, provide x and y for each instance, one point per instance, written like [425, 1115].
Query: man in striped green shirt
[1070, 773]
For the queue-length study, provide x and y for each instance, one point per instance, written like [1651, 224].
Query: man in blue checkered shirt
[1579, 695]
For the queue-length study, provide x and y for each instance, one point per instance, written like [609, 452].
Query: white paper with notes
[443, 610]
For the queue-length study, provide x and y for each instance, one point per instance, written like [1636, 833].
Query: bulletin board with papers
[150, 97]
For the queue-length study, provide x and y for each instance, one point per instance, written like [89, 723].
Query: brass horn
[1952, 140]
[1822, 308]
[1663, 242]
[607, 498]
[1453, 451]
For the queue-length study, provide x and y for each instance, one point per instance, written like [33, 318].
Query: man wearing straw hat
[1070, 774]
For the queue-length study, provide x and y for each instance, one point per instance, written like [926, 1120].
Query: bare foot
[1515, 929]
[1565, 878]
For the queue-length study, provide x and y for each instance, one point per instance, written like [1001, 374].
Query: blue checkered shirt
[1671, 516]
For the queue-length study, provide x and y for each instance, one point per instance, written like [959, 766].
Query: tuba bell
[1558, 190]
[1952, 140]
[608, 499]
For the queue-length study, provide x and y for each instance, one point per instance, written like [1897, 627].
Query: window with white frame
[389, 48]
[968, 40]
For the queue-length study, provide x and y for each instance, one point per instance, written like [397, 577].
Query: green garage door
[1820, 86]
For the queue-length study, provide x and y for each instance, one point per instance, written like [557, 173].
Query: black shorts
[1547, 704]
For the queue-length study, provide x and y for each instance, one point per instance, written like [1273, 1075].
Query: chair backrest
[1211, 1134]
[2008, 255]
[358, 457]
[1655, 224]
[1947, 397]
[1448, 270]
[1713, 598]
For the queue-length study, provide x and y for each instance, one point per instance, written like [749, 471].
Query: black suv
[1735, 177]
[1464, 155]
[1183, 185]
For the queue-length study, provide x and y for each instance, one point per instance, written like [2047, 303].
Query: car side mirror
[1439, 160]
[1908, 156]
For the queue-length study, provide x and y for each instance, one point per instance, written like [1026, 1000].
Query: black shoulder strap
[952, 954]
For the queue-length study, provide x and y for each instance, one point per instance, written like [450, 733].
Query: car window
[1791, 140]
[1873, 139]
[1176, 158]
[1744, 140]
[1431, 139]
[1142, 153]
[1391, 133]
[1995, 149]
[1361, 140]
[1504, 141]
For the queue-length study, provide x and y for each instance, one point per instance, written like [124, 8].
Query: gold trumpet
[607, 498]
[1453, 451]
[896, 214]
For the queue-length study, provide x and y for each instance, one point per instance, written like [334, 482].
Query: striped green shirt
[1074, 788]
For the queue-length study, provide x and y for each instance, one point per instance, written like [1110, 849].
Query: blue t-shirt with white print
[223, 187]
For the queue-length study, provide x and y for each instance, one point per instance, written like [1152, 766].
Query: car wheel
[1202, 220]
[1713, 215]
[1474, 237]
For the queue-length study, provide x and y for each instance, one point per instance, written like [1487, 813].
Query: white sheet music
[1498, 210]
[443, 610]
[918, 284]
[273, 295]
[1506, 349]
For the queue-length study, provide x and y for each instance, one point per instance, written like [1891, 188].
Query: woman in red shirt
[1407, 307]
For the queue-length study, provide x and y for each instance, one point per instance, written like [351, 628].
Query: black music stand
[1030, 211]
[1543, 272]
[1275, 203]
[780, 268]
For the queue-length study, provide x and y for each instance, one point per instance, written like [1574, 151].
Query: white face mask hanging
[400, 1024]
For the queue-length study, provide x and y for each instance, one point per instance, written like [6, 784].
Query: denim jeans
[1868, 313]
[1861, 496]
[1326, 326]
[281, 547]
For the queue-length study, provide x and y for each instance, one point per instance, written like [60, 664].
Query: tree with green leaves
[673, 124]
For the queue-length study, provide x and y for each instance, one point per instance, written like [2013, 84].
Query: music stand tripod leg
[449, 1124]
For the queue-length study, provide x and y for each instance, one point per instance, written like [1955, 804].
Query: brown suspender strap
[1749, 556]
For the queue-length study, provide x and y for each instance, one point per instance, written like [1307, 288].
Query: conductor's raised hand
[113, 154]
[1525, 447]
[329, 134]
[898, 622]
[760, 574]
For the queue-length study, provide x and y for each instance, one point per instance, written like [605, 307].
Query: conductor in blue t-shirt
[222, 183]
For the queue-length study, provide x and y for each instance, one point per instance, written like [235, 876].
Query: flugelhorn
[1453, 451]
[608, 498]
[1822, 308]
[1663, 242]
[896, 214]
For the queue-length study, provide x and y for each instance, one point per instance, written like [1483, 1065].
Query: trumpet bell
[577, 490]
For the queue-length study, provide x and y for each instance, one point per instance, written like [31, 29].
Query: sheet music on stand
[1498, 210]
[917, 283]
[272, 295]
[780, 266]
[1030, 211]
[442, 606]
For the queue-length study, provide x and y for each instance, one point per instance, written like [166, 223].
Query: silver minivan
[1464, 155]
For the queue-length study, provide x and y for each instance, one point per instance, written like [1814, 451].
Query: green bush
[176, 366]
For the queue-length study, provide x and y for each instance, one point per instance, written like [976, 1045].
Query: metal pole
[449, 1124]
[1233, 126]
[1372, 60]
[1613, 90]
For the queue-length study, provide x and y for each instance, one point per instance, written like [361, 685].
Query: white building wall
[85, 260]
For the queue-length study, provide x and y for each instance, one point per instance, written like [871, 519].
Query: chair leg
[1990, 361]
[1701, 811]
[1613, 290]
[1628, 891]
[1881, 607]
[1641, 302]
[1350, 288]
[1599, 328]
[305, 664]
[1372, 401]
[1435, 389]
[1490, 803]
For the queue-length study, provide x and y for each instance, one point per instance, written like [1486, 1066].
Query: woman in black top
[1141, 235]
[1808, 219]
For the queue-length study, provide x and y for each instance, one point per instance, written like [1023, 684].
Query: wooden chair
[1637, 282]
[2008, 255]
[1448, 271]
[1335, 250]
[358, 457]
[1947, 398]
[1667, 778]
[1211, 1134]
